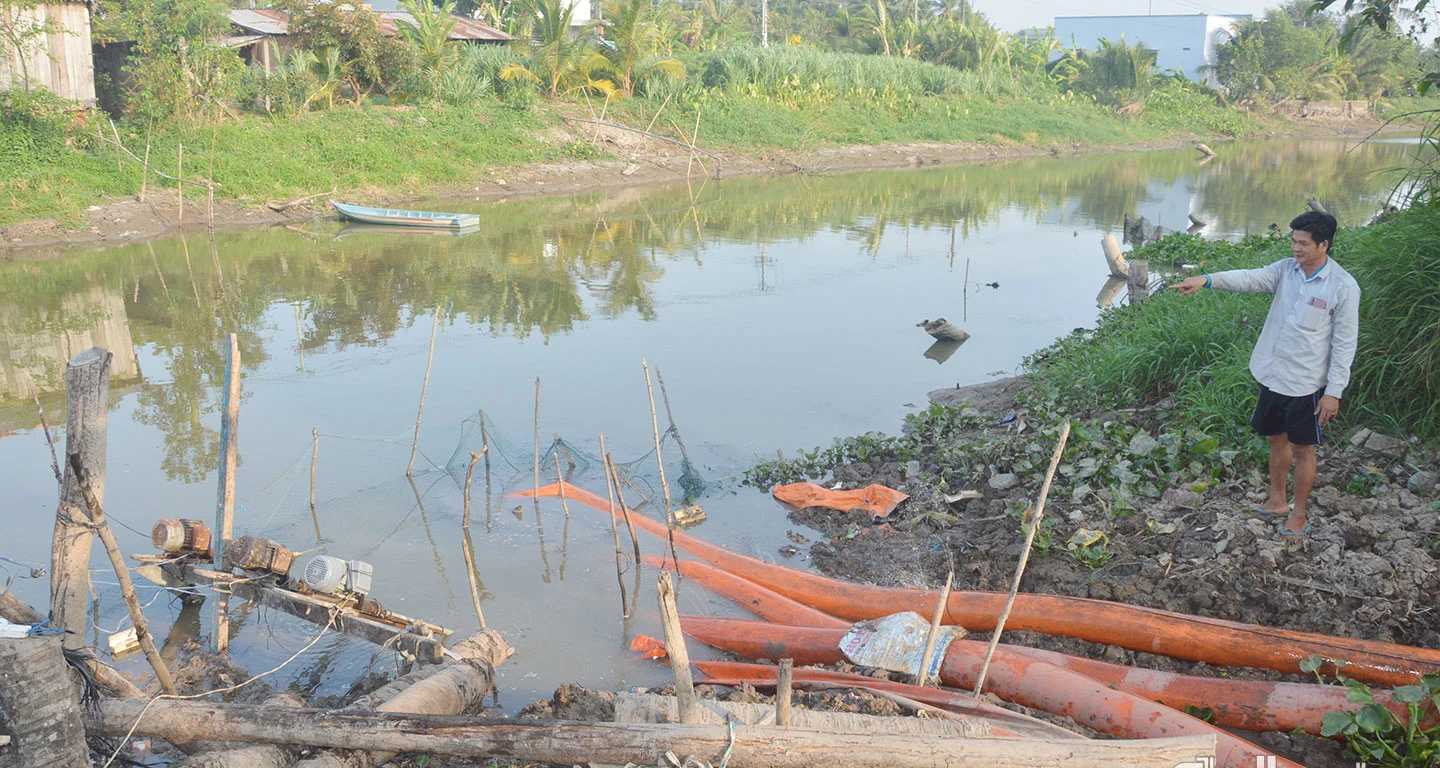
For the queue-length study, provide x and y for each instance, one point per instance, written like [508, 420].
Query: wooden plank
[225, 492]
[571, 743]
[317, 610]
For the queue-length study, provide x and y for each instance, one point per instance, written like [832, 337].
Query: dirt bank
[1367, 569]
[637, 161]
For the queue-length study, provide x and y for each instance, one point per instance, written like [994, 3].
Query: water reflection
[539, 264]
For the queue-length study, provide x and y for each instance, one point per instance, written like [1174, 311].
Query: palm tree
[560, 61]
[430, 33]
[636, 29]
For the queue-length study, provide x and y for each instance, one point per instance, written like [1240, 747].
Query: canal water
[781, 312]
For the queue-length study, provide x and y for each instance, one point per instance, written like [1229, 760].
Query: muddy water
[781, 312]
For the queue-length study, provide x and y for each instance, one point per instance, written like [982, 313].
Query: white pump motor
[329, 575]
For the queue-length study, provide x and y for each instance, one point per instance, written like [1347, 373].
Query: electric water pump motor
[331, 575]
[181, 537]
[254, 553]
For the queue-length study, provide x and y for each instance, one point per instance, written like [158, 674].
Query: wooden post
[940, 606]
[122, 572]
[675, 647]
[783, 690]
[1314, 204]
[1204, 149]
[1139, 281]
[87, 392]
[180, 184]
[415, 446]
[1114, 259]
[225, 503]
[1024, 556]
[39, 708]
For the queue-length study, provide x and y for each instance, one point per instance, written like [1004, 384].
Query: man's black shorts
[1293, 416]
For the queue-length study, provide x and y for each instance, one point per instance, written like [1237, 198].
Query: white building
[1182, 43]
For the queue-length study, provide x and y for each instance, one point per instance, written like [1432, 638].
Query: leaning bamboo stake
[1024, 556]
[470, 472]
[675, 647]
[119, 158]
[615, 530]
[468, 548]
[783, 690]
[127, 588]
[559, 475]
[934, 633]
[415, 445]
[660, 462]
[314, 457]
[624, 508]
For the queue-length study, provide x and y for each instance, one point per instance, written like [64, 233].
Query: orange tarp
[878, 500]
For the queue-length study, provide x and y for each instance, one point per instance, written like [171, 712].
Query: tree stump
[39, 708]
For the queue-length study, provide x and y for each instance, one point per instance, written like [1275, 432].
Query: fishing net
[514, 462]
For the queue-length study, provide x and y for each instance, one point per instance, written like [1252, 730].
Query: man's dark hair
[1321, 226]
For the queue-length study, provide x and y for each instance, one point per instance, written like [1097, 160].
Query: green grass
[1196, 349]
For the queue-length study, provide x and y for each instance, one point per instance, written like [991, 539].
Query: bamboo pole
[420, 413]
[675, 647]
[469, 472]
[783, 690]
[1024, 556]
[145, 164]
[225, 506]
[665, 396]
[537, 438]
[615, 530]
[614, 473]
[44, 427]
[940, 606]
[122, 572]
[660, 462]
[180, 184]
[468, 548]
[314, 457]
[564, 504]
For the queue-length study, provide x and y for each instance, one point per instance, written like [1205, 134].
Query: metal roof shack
[271, 22]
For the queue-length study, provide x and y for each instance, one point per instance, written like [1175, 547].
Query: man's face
[1310, 254]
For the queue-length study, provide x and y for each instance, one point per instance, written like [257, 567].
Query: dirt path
[638, 161]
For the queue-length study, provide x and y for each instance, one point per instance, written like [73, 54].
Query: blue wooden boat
[402, 218]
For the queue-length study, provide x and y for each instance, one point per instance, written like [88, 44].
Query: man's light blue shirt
[1311, 332]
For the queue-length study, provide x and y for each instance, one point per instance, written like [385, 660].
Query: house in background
[259, 27]
[1184, 43]
[58, 59]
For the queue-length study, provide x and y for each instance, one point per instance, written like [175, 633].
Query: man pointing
[1303, 357]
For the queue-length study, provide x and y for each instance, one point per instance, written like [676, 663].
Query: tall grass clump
[1396, 377]
[775, 72]
[1196, 350]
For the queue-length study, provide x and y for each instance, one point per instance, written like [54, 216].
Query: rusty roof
[268, 21]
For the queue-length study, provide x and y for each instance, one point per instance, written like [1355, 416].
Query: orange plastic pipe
[734, 672]
[1182, 636]
[1014, 677]
[1255, 705]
